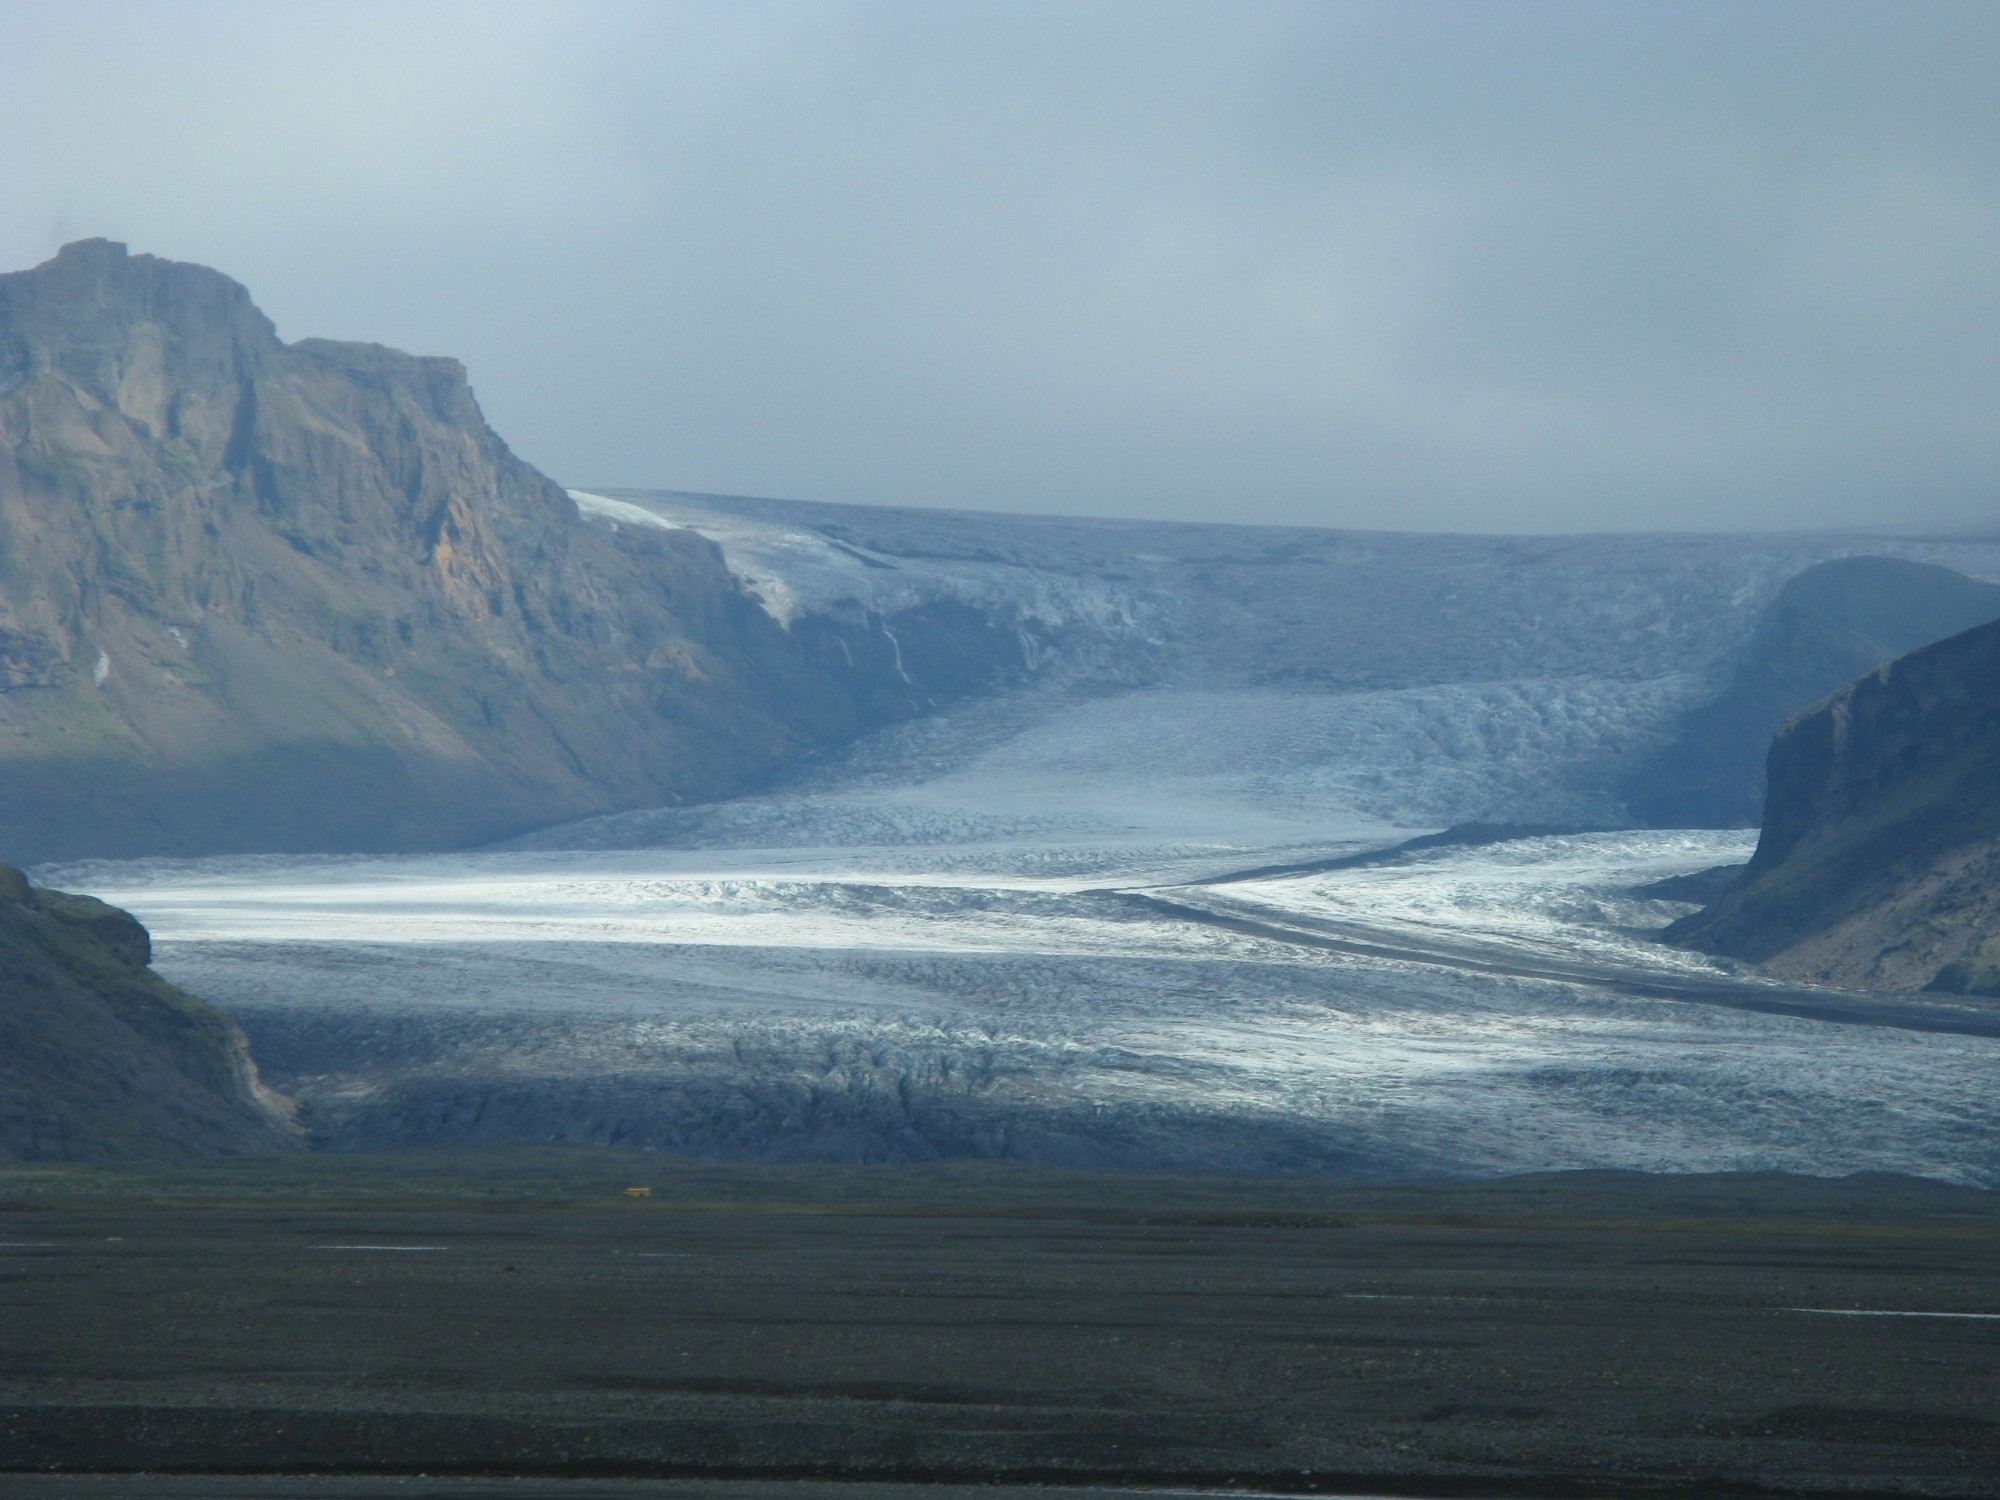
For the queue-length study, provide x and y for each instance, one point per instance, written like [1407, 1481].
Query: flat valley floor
[512, 1318]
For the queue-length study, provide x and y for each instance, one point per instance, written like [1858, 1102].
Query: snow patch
[619, 510]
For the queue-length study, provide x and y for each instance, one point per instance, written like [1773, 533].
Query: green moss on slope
[1978, 973]
[100, 1057]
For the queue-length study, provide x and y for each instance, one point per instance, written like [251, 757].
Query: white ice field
[1006, 929]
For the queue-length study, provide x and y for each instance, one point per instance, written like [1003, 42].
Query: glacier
[1029, 924]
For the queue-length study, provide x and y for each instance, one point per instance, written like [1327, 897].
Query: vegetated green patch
[180, 461]
[1978, 973]
[53, 471]
[70, 723]
[132, 576]
[537, 1178]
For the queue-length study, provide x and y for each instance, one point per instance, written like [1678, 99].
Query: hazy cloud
[1468, 265]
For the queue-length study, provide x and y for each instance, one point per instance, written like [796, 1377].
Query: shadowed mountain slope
[269, 596]
[1879, 863]
[101, 1057]
[1828, 625]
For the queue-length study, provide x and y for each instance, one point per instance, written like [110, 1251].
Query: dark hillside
[101, 1057]
[1879, 863]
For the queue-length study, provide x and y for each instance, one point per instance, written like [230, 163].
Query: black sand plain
[508, 1323]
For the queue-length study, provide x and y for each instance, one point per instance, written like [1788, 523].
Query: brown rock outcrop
[269, 596]
[1879, 863]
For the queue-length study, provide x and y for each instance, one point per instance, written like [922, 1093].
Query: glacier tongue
[1241, 766]
[1241, 672]
[1002, 929]
[1097, 1003]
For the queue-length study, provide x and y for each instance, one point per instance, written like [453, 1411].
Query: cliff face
[1829, 625]
[1879, 863]
[260, 596]
[100, 1057]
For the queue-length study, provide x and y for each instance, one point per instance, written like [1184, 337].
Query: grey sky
[1465, 265]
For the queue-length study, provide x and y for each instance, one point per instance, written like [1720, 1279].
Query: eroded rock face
[100, 1057]
[1879, 863]
[269, 596]
[1829, 624]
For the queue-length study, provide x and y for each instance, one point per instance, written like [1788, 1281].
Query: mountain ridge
[1879, 861]
[257, 595]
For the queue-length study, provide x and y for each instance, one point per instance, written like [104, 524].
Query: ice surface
[903, 1002]
[1242, 768]
[1009, 929]
[1254, 605]
[1190, 675]
[795, 569]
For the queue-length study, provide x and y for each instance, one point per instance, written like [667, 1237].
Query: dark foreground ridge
[99, 1056]
[512, 1314]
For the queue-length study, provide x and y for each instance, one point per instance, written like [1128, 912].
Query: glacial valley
[1105, 910]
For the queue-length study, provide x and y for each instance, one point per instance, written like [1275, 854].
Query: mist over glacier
[1014, 926]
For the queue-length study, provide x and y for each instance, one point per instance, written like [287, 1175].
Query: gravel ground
[1590, 1337]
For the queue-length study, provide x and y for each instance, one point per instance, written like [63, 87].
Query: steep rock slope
[1879, 863]
[269, 596]
[101, 1057]
[1828, 625]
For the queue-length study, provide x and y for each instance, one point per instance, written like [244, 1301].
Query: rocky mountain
[1879, 862]
[1828, 625]
[259, 596]
[99, 1056]
[268, 596]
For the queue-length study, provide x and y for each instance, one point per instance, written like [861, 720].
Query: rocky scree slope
[1879, 863]
[101, 1057]
[269, 596]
